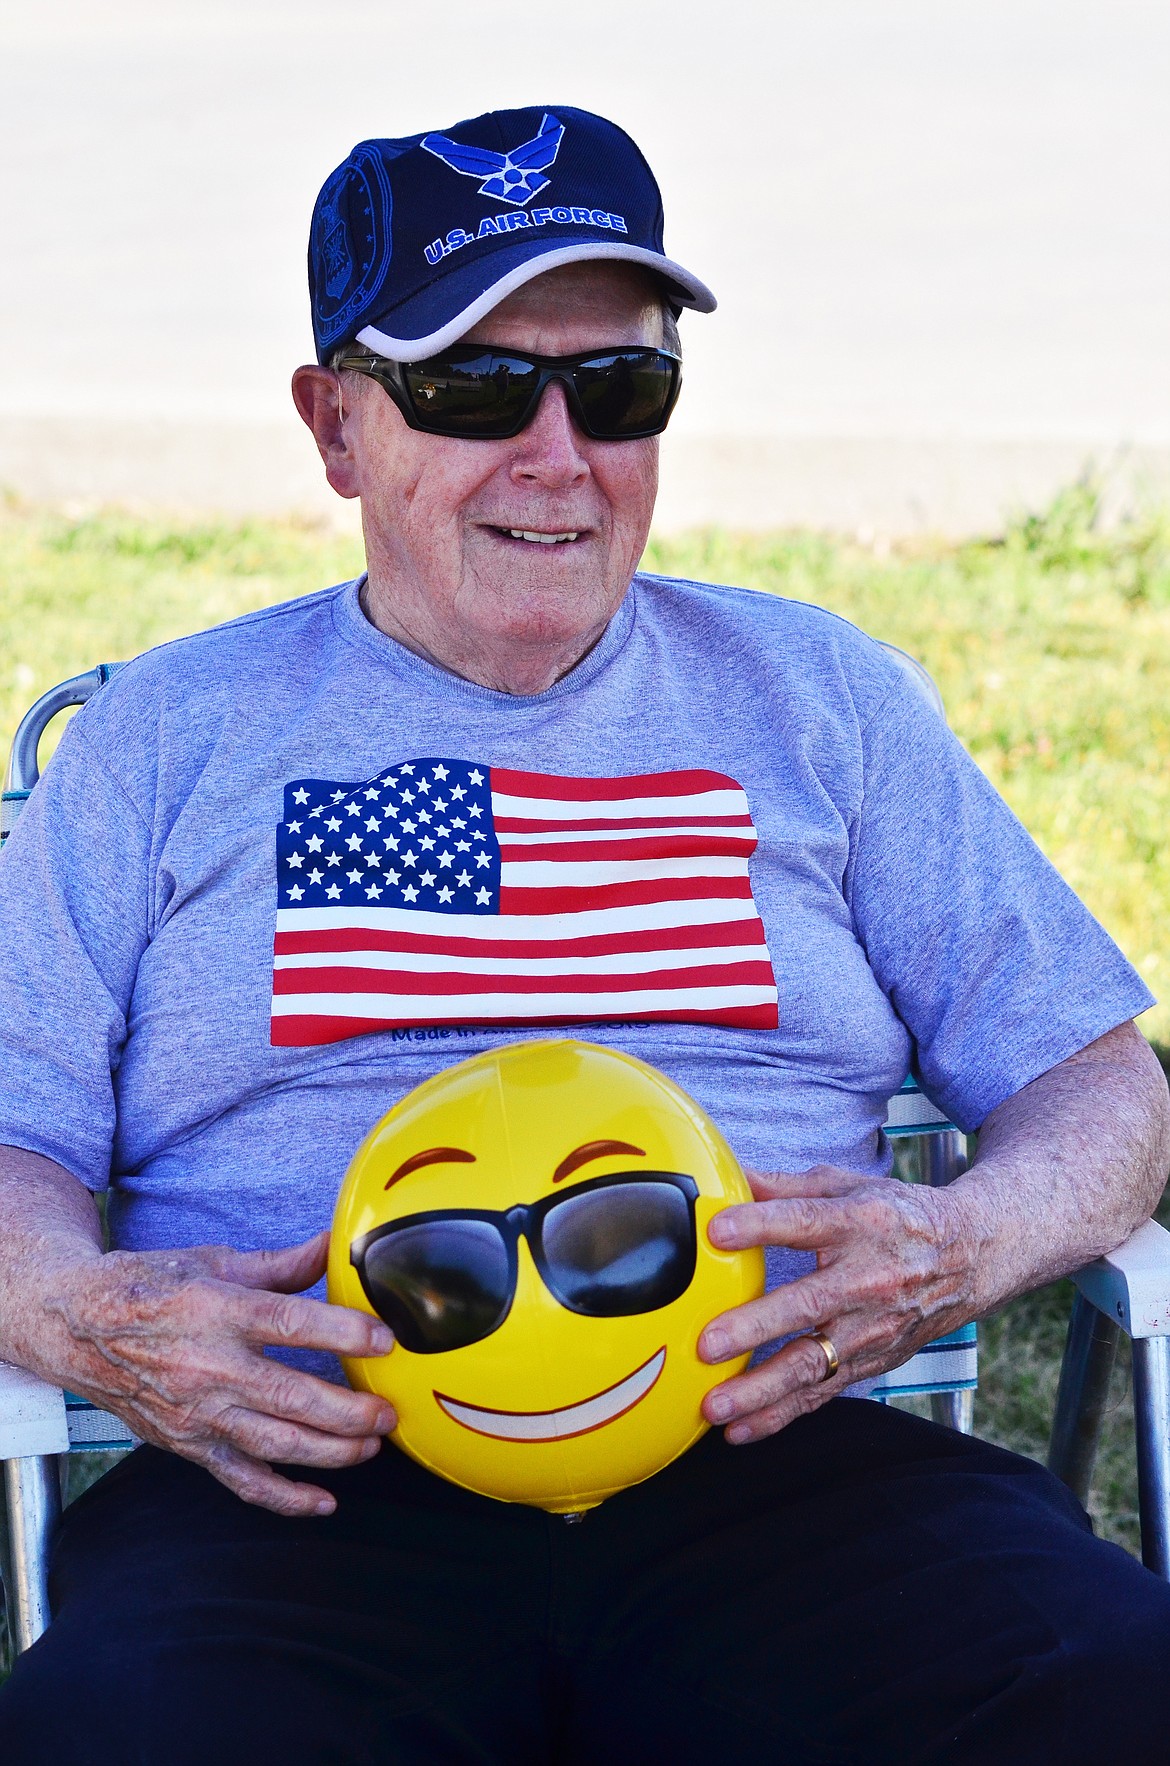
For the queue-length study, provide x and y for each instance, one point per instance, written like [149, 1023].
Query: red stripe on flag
[412, 981]
[305, 1030]
[596, 824]
[552, 789]
[590, 897]
[664, 846]
[600, 944]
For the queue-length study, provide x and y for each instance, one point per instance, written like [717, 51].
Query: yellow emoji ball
[532, 1224]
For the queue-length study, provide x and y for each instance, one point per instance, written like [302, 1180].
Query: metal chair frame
[1129, 1291]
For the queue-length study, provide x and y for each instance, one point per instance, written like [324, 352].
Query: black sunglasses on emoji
[607, 1248]
[481, 393]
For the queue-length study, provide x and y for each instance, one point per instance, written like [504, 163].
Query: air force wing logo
[514, 177]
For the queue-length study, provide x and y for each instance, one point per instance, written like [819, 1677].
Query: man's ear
[317, 396]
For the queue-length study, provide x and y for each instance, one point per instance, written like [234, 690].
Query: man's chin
[537, 628]
[541, 594]
[540, 635]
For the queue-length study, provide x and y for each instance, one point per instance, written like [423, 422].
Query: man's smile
[540, 539]
[536, 536]
[558, 1425]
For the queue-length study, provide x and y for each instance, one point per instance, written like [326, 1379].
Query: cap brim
[461, 294]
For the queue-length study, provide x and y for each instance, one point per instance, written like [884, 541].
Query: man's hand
[172, 1342]
[894, 1271]
[1067, 1167]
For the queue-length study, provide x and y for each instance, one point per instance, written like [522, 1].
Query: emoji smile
[558, 1425]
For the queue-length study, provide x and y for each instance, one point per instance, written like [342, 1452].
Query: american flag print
[449, 892]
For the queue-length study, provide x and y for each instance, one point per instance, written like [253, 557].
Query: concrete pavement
[938, 234]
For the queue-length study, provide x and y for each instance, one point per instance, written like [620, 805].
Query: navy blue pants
[863, 1588]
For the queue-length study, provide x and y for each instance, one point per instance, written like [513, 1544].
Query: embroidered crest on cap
[351, 241]
[514, 177]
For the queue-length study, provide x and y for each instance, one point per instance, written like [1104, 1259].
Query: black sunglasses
[606, 1248]
[481, 393]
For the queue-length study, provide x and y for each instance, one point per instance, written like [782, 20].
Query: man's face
[444, 518]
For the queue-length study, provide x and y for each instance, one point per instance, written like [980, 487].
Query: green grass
[102, 588]
[1050, 644]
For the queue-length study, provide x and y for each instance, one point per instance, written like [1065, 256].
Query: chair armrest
[1132, 1284]
[32, 1415]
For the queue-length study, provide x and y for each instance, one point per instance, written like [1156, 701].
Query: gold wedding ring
[832, 1360]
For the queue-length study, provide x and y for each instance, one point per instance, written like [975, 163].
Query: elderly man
[495, 326]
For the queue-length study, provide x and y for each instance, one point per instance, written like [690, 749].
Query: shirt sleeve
[995, 967]
[74, 909]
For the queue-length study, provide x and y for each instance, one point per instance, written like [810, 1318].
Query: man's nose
[548, 450]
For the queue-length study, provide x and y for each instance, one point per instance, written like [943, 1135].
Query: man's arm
[172, 1341]
[1066, 1169]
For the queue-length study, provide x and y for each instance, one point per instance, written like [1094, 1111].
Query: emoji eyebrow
[432, 1156]
[592, 1150]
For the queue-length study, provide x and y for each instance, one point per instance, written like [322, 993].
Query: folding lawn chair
[1128, 1290]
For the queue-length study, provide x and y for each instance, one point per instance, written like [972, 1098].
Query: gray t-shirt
[733, 841]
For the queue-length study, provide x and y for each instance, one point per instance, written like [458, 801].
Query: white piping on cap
[416, 349]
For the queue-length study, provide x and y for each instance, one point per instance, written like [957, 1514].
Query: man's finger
[774, 1417]
[802, 1222]
[252, 1481]
[299, 1397]
[287, 1270]
[795, 1306]
[820, 1180]
[272, 1438]
[292, 1321]
[798, 1366]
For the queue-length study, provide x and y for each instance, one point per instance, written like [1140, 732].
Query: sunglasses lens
[627, 1248]
[625, 394]
[485, 394]
[439, 1285]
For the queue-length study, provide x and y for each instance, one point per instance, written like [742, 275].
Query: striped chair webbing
[950, 1364]
[92, 1430]
[910, 1111]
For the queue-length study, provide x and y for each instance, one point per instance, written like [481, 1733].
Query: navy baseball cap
[413, 241]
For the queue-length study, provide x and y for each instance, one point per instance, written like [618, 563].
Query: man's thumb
[286, 1270]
